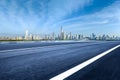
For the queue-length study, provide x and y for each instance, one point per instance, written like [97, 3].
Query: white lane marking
[30, 48]
[19, 49]
[82, 65]
[27, 48]
[22, 49]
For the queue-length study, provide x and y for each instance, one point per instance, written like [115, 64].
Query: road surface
[43, 61]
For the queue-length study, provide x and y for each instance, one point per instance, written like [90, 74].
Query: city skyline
[62, 35]
[76, 16]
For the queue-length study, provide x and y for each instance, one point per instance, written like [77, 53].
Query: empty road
[45, 60]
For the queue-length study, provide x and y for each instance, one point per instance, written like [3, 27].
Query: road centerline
[82, 65]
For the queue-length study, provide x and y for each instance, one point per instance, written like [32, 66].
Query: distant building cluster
[61, 36]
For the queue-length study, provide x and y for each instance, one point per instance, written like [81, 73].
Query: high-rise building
[70, 37]
[93, 36]
[26, 35]
[53, 36]
[61, 34]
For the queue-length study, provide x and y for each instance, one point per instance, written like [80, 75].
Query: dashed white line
[73, 70]
[22, 49]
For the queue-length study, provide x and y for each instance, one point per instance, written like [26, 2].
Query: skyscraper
[93, 36]
[61, 34]
[26, 35]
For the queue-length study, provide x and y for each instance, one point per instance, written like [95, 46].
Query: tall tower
[61, 34]
[70, 36]
[26, 34]
[53, 36]
[61, 30]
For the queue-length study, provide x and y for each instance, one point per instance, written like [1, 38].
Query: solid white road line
[82, 65]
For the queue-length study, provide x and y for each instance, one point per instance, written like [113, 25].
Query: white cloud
[59, 9]
[108, 15]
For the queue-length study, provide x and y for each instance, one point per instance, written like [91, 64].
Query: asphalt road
[35, 61]
[105, 68]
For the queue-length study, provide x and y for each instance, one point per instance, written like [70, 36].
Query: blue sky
[46, 16]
